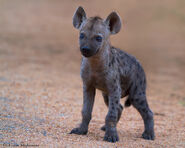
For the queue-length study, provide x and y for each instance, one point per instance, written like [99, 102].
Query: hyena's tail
[127, 102]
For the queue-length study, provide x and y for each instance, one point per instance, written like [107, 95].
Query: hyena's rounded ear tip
[80, 8]
[114, 13]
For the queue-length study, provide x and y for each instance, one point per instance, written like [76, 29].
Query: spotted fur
[111, 70]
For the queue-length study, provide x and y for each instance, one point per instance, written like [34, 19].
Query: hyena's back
[131, 74]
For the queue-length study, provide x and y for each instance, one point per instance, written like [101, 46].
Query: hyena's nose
[85, 49]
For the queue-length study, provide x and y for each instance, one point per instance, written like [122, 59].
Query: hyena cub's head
[94, 31]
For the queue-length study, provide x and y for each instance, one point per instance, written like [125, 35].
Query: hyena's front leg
[88, 102]
[120, 109]
[112, 117]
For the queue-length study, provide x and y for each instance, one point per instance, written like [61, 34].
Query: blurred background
[40, 86]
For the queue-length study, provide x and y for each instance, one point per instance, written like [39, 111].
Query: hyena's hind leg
[120, 109]
[139, 101]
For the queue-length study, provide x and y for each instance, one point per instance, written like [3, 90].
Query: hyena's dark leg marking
[120, 109]
[88, 102]
[112, 116]
[140, 103]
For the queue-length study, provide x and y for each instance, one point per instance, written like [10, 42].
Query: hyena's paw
[111, 135]
[148, 135]
[103, 128]
[79, 131]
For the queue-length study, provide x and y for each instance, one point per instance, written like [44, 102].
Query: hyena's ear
[79, 17]
[114, 22]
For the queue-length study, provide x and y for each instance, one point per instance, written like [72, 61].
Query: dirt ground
[40, 85]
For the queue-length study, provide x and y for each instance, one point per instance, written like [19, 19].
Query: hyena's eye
[82, 35]
[99, 38]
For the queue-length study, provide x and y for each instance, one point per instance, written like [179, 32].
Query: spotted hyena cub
[111, 70]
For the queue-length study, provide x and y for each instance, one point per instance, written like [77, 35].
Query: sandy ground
[40, 86]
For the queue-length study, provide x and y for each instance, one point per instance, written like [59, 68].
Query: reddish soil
[40, 85]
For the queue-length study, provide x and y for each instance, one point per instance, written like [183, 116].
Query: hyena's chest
[95, 76]
[99, 81]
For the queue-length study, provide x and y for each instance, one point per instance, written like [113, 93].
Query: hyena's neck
[100, 61]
